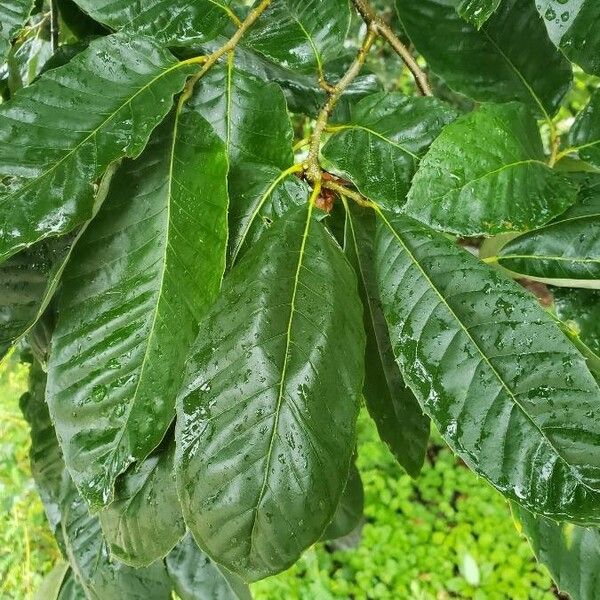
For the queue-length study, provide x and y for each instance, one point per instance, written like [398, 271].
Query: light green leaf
[477, 12]
[379, 148]
[140, 280]
[349, 512]
[251, 118]
[60, 134]
[509, 58]
[13, 17]
[504, 386]
[486, 173]
[572, 26]
[266, 419]
[197, 577]
[169, 22]
[71, 589]
[301, 35]
[584, 136]
[399, 418]
[52, 583]
[144, 522]
[571, 553]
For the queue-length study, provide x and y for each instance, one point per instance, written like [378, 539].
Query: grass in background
[446, 535]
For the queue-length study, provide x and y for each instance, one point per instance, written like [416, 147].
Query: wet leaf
[13, 17]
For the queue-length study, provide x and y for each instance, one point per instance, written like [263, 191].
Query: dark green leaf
[80, 533]
[59, 134]
[565, 253]
[477, 12]
[509, 58]
[486, 173]
[349, 512]
[584, 135]
[266, 418]
[399, 418]
[71, 589]
[250, 116]
[144, 522]
[504, 386]
[139, 281]
[302, 35]
[581, 310]
[571, 553]
[573, 26]
[379, 148]
[13, 17]
[197, 577]
[170, 22]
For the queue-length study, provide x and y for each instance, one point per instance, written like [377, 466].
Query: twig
[210, 60]
[313, 170]
[344, 191]
[371, 18]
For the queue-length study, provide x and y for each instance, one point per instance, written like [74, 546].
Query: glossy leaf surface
[195, 576]
[170, 22]
[494, 63]
[267, 415]
[477, 12]
[139, 282]
[486, 173]
[302, 35]
[399, 418]
[502, 383]
[13, 16]
[379, 148]
[144, 522]
[572, 26]
[580, 309]
[571, 553]
[61, 133]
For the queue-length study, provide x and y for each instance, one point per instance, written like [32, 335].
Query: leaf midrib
[280, 394]
[414, 260]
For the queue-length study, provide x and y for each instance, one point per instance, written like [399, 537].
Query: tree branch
[371, 18]
[313, 170]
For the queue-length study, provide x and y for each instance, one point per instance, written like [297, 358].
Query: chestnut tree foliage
[220, 232]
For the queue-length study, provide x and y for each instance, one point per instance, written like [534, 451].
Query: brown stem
[342, 190]
[313, 170]
[371, 18]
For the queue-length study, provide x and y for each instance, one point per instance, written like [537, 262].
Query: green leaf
[45, 457]
[80, 534]
[144, 522]
[251, 118]
[29, 279]
[571, 553]
[169, 22]
[349, 512]
[71, 589]
[379, 148]
[266, 418]
[502, 383]
[572, 26]
[302, 35]
[399, 418]
[51, 584]
[584, 135]
[140, 280]
[477, 12]
[580, 309]
[61, 133]
[564, 253]
[486, 174]
[509, 58]
[13, 17]
[196, 577]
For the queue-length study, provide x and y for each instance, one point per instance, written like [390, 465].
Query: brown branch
[373, 20]
[313, 170]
